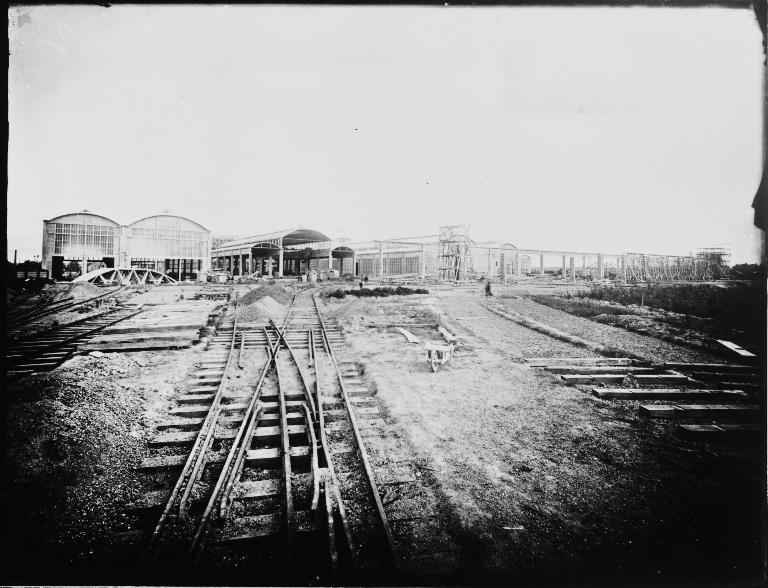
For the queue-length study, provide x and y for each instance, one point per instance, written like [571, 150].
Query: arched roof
[301, 236]
[143, 221]
[289, 238]
[88, 213]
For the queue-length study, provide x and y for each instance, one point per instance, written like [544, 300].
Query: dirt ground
[73, 437]
[520, 478]
[537, 480]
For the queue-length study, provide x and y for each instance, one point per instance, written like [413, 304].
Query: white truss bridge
[124, 276]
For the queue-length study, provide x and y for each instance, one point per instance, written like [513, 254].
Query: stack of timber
[165, 326]
[709, 392]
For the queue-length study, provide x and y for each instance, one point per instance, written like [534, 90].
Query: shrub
[736, 306]
[374, 292]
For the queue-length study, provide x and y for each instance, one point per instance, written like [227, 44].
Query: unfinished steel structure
[455, 253]
[707, 264]
[452, 255]
[125, 276]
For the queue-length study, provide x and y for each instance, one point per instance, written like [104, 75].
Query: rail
[361, 447]
[192, 466]
[50, 307]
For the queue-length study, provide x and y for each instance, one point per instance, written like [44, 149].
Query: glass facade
[164, 242]
[167, 242]
[96, 239]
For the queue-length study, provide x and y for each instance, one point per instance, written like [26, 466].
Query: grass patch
[375, 292]
[738, 306]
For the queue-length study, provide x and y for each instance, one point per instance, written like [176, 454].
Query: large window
[369, 265]
[167, 241]
[412, 265]
[394, 265]
[97, 239]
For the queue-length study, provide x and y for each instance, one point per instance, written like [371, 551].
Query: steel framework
[455, 253]
[705, 265]
[124, 276]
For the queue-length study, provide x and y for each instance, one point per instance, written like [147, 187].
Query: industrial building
[290, 252]
[74, 244]
[421, 257]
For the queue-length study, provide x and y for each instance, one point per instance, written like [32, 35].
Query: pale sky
[586, 129]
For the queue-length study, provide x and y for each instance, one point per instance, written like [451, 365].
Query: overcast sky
[597, 129]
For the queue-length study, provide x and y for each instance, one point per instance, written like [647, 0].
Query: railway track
[261, 468]
[47, 349]
[23, 316]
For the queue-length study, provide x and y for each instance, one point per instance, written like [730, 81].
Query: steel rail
[311, 343]
[307, 394]
[331, 486]
[196, 546]
[51, 309]
[330, 492]
[290, 515]
[22, 315]
[315, 467]
[40, 350]
[215, 406]
[231, 471]
[242, 349]
[150, 554]
[53, 329]
[272, 351]
[361, 448]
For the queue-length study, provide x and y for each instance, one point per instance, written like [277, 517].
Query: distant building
[80, 242]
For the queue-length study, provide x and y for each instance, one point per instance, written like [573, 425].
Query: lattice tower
[455, 256]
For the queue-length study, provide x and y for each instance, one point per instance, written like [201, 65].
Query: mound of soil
[277, 293]
[349, 312]
[263, 308]
[80, 290]
[73, 439]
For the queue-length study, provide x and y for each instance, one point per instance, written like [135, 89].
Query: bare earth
[516, 477]
[537, 479]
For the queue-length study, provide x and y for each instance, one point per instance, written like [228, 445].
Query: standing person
[361, 283]
[366, 277]
[488, 288]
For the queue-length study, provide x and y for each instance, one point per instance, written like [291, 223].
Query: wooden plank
[411, 325]
[593, 379]
[258, 489]
[270, 456]
[180, 423]
[152, 337]
[598, 370]
[250, 528]
[719, 432]
[735, 348]
[194, 398]
[144, 346]
[700, 410]
[447, 335]
[169, 439]
[581, 360]
[726, 376]
[716, 367]
[668, 394]
[153, 500]
[162, 462]
[661, 378]
[408, 335]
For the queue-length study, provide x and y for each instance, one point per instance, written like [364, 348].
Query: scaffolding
[706, 264]
[455, 256]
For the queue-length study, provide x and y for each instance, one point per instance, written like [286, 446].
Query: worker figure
[361, 283]
[488, 288]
